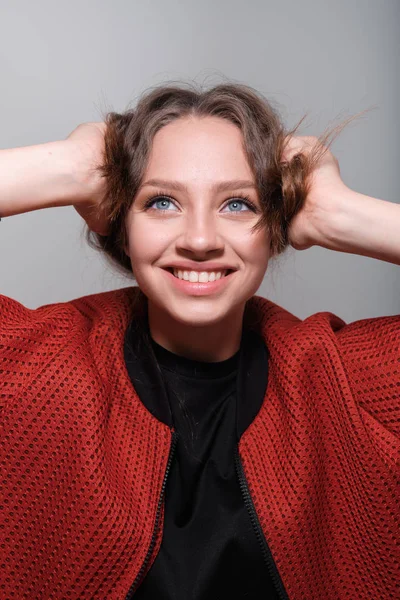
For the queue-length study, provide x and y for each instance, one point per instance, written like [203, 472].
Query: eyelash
[240, 196]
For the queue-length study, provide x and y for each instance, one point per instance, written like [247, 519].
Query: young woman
[186, 438]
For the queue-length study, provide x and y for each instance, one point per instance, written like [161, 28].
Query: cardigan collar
[146, 376]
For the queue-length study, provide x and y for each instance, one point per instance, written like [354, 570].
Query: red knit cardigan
[82, 460]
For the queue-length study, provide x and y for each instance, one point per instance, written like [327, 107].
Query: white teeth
[199, 276]
[203, 277]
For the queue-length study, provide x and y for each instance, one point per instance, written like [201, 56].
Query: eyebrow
[222, 186]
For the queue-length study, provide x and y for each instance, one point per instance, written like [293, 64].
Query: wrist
[81, 177]
[335, 225]
[36, 177]
[365, 226]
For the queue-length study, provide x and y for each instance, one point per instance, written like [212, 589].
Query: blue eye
[160, 203]
[238, 204]
[163, 203]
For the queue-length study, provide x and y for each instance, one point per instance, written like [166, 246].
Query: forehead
[194, 149]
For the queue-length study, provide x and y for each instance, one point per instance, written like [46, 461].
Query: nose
[200, 233]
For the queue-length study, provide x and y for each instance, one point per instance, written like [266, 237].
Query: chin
[203, 314]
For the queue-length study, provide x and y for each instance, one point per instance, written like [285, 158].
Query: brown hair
[282, 186]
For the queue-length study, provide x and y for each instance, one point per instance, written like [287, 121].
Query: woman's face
[198, 223]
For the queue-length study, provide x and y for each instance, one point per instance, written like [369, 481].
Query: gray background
[64, 63]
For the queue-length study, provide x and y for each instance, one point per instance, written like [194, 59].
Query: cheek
[258, 260]
[145, 242]
[255, 248]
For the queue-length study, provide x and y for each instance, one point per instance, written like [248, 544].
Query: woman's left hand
[339, 218]
[323, 202]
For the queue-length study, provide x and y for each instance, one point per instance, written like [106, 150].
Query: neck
[208, 343]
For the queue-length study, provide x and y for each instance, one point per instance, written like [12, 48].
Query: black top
[209, 548]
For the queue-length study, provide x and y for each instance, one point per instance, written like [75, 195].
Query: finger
[298, 144]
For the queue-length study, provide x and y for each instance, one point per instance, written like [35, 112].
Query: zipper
[266, 552]
[139, 576]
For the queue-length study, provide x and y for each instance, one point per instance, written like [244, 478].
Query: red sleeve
[370, 353]
[29, 340]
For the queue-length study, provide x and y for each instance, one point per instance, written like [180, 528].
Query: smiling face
[197, 221]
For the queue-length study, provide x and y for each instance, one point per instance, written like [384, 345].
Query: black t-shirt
[209, 549]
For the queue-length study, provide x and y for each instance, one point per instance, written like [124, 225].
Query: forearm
[365, 225]
[35, 177]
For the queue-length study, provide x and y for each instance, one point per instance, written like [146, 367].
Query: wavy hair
[282, 185]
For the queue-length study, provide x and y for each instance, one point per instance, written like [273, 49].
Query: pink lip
[196, 288]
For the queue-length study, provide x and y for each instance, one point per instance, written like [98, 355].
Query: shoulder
[276, 324]
[26, 333]
[85, 311]
[33, 339]
[364, 356]
[371, 344]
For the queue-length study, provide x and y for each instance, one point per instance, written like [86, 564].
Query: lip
[193, 266]
[196, 288]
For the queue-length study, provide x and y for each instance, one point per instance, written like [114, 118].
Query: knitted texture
[82, 460]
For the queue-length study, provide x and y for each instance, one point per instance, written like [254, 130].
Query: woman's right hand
[87, 143]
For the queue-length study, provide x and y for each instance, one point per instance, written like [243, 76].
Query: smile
[198, 283]
[201, 276]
